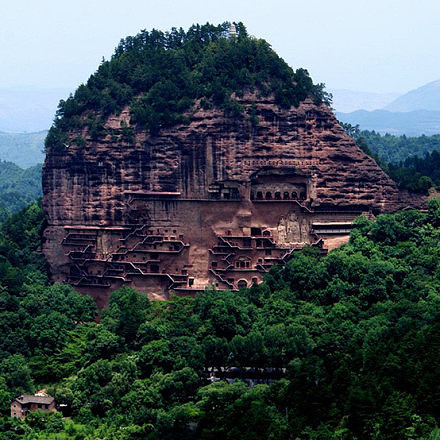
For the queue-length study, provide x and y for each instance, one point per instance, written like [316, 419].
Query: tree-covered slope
[162, 76]
[18, 187]
[396, 149]
[357, 333]
[413, 163]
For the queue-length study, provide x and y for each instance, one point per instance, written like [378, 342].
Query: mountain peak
[426, 97]
[191, 160]
[162, 76]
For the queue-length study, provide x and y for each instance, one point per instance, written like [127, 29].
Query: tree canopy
[18, 187]
[413, 163]
[162, 75]
[356, 334]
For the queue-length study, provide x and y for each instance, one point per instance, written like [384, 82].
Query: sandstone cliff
[203, 181]
[213, 201]
[89, 184]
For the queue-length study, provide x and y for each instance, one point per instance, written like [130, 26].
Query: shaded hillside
[396, 149]
[18, 187]
[413, 163]
[24, 149]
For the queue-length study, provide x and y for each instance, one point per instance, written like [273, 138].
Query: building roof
[30, 398]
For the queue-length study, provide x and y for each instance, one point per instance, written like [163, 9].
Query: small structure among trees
[27, 403]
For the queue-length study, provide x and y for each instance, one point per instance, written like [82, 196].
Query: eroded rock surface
[216, 202]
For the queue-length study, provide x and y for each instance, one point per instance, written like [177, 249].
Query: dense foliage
[163, 75]
[396, 149]
[416, 173]
[18, 187]
[357, 332]
[413, 173]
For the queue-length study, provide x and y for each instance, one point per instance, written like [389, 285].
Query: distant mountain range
[413, 114]
[26, 113]
[24, 149]
[413, 123]
[346, 101]
[426, 97]
[28, 109]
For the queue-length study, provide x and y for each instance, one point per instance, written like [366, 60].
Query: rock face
[215, 202]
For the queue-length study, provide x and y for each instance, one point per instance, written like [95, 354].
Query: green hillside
[412, 162]
[162, 76]
[396, 149]
[18, 187]
[355, 333]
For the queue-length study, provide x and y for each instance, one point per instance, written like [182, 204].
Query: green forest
[396, 149]
[356, 333]
[413, 163]
[18, 187]
[161, 76]
[340, 347]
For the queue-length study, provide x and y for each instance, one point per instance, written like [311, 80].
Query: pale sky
[366, 45]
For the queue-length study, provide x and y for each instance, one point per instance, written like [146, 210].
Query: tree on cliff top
[161, 76]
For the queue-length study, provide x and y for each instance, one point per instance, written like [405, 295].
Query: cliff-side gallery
[214, 200]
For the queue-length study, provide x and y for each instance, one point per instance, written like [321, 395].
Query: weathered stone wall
[202, 180]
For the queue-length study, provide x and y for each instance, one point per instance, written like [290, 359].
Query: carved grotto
[216, 202]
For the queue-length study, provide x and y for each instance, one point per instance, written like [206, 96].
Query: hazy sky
[366, 45]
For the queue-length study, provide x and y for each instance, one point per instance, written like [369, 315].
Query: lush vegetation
[396, 149]
[18, 187]
[163, 76]
[357, 331]
[413, 173]
[417, 174]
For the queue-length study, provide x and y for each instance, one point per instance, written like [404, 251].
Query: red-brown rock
[215, 202]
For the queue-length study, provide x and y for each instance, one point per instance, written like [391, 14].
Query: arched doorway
[242, 284]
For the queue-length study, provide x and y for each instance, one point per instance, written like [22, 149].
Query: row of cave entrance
[259, 195]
